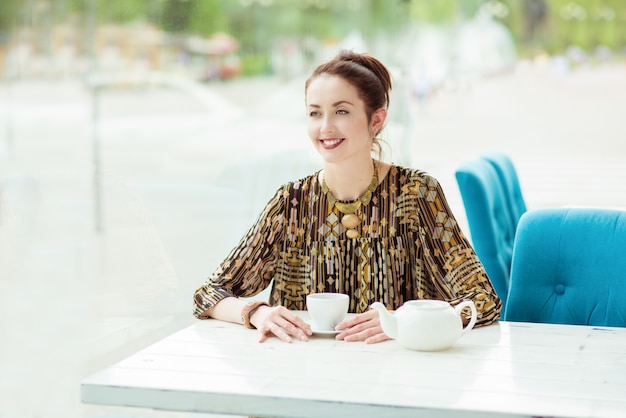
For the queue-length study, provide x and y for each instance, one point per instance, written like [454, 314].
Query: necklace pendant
[348, 208]
[350, 221]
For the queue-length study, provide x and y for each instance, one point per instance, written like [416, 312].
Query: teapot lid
[428, 304]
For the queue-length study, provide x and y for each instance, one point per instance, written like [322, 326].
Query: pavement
[85, 276]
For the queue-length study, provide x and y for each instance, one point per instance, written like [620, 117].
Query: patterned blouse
[410, 247]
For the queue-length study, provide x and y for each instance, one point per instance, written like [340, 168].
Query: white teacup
[327, 309]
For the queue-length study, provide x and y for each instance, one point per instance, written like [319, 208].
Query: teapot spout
[387, 320]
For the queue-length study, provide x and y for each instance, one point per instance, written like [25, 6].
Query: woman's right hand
[280, 322]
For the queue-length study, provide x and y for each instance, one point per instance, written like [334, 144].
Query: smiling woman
[365, 74]
[374, 231]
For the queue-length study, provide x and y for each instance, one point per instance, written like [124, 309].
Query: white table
[507, 369]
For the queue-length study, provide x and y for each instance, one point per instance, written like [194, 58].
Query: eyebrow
[335, 104]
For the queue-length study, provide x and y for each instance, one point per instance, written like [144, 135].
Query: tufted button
[559, 289]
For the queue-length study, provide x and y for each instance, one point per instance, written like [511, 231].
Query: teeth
[332, 141]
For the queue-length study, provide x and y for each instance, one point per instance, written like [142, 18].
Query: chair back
[489, 220]
[569, 267]
[509, 179]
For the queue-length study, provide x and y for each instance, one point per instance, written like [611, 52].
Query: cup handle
[459, 308]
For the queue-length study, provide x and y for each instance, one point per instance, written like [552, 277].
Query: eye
[314, 113]
[342, 112]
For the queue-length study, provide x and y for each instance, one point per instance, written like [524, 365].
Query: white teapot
[425, 325]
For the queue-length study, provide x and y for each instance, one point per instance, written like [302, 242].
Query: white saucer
[325, 332]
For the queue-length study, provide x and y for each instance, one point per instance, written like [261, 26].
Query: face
[337, 120]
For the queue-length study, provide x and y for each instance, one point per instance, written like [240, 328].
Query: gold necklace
[350, 221]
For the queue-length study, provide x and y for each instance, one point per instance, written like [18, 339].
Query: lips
[331, 143]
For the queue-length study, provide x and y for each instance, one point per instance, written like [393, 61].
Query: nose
[327, 124]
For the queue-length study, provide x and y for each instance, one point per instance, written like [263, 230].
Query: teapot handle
[468, 303]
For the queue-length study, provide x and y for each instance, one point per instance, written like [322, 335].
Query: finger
[293, 320]
[292, 329]
[361, 334]
[266, 331]
[275, 329]
[377, 338]
[356, 320]
[365, 323]
[264, 335]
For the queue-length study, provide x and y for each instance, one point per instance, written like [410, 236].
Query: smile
[330, 143]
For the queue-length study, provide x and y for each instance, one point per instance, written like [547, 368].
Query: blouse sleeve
[249, 267]
[450, 259]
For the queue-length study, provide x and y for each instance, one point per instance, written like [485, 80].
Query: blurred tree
[441, 11]
[9, 15]
[122, 11]
[535, 13]
[176, 15]
[553, 26]
[110, 11]
[210, 16]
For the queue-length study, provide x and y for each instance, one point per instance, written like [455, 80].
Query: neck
[348, 182]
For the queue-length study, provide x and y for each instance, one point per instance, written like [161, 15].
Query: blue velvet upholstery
[510, 182]
[489, 220]
[569, 267]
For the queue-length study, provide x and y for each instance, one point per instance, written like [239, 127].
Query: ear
[378, 120]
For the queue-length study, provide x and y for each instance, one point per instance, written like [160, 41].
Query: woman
[360, 226]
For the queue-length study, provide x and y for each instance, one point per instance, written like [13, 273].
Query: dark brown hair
[366, 73]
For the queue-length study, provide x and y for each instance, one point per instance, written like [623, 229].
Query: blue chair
[569, 267]
[510, 183]
[489, 220]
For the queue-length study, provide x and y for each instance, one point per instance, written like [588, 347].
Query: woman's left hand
[362, 327]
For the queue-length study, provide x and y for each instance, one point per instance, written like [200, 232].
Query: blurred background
[139, 139]
[212, 40]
